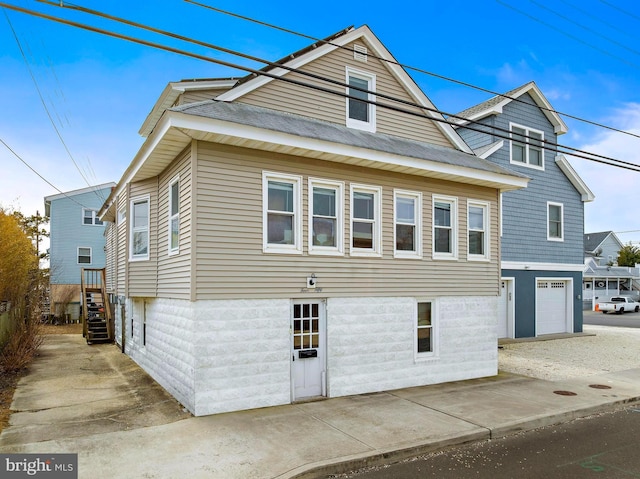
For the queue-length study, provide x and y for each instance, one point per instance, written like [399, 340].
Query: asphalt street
[626, 320]
[599, 446]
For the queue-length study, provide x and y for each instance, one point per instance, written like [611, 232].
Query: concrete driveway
[75, 390]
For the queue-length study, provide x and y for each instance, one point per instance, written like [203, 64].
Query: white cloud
[616, 205]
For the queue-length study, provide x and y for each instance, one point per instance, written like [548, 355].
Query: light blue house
[542, 226]
[77, 241]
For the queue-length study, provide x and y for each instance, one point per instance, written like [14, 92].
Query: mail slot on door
[308, 353]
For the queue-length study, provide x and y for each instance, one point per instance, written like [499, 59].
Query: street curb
[382, 457]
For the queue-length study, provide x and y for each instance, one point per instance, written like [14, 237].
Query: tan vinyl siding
[142, 275]
[199, 95]
[123, 245]
[285, 96]
[111, 238]
[174, 271]
[231, 262]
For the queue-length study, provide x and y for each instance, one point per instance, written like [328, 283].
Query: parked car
[618, 305]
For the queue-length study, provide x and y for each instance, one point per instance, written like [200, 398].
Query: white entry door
[308, 355]
[505, 309]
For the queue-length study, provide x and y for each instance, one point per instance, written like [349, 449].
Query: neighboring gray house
[603, 247]
[602, 277]
[542, 226]
[275, 243]
[77, 241]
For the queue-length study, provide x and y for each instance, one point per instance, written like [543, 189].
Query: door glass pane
[314, 310]
[305, 311]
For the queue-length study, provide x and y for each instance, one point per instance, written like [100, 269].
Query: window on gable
[84, 255]
[526, 146]
[325, 217]
[555, 220]
[89, 217]
[174, 216]
[139, 249]
[365, 221]
[445, 219]
[360, 113]
[408, 230]
[282, 207]
[478, 230]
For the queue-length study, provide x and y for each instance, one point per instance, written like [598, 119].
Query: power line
[321, 78]
[409, 67]
[573, 151]
[620, 9]
[38, 174]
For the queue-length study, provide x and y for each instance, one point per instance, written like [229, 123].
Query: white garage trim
[506, 308]
[554, 310]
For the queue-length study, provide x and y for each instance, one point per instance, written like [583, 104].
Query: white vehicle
[618, 305]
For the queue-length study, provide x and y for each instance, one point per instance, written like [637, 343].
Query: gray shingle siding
[525, 211]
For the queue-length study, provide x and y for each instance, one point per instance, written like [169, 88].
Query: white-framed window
[445, 227]
[526, 146]
[122, 215]
[555, 221]
[478, 230]
[366, 224]
[174, 216]
[84, 255]
[425, 329]
[360, 114]
[407, 221]
[282, 213]
[89, 217]
[139, 226]
[326, 226]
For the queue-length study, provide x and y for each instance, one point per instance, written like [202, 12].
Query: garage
[554, 308]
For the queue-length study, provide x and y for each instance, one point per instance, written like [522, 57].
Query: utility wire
[408, 67]
[574, 151]
[38, 174]
[321, 78]
[44, 104]
[590, 30]
[620, 9]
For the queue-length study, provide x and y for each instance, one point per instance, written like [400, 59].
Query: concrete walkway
[94, 401]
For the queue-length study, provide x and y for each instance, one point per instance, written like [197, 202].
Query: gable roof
[495, 105]
[339, 40]
[572, 175]
[260, 128]
[592, 241]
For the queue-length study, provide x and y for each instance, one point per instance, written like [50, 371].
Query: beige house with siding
[281, 237]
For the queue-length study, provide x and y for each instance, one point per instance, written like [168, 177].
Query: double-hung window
[174, 216]
[360, 113]
[426, 343]
[526, 147]
[90, 217]
[478, 230]
[407, 220]
[325, 217]
[139, 245]
[366, 225]
[84, 255]
[282, 213]
[445, 229]
[555, 221]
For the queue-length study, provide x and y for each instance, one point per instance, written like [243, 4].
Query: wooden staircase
[96, 314]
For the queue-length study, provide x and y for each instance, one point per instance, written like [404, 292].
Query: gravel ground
[612, 349]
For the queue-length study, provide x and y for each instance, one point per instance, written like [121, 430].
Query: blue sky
[583, 54]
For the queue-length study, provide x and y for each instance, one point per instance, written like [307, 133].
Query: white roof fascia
[171, 92]
[585, 193]
[81, 191]
[380, 51]
[533, 266]
[490, 151]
